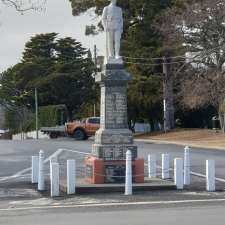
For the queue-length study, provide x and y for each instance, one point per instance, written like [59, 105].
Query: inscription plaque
[115, 173]
[89, 171]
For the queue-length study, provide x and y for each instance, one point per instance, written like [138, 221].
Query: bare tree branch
[25, 5]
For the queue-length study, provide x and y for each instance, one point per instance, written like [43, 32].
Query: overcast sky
[16, 29]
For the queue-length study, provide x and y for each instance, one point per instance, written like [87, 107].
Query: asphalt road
[170, 215]
[16, 155]
[159, 208]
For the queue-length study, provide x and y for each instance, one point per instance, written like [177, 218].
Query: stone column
[113, 139]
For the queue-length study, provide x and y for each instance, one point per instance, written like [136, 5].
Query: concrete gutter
[154, 141]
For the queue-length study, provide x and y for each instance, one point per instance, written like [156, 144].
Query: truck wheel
[53, 135]
[79, 135]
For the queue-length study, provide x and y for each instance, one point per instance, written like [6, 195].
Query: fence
[157, 166]
[29, 135]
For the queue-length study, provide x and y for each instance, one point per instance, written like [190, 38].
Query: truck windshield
[94, 120]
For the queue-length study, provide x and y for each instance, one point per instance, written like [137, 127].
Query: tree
[59, 68]
[141, 39]
[74, 70]
[12, 98]
[199, 27]
[25, 5]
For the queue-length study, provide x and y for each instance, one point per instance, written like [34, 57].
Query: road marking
[55, 154]
[22, 172]
[114, 204]
[74, 151]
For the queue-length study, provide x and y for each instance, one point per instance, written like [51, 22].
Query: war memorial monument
[113, 139]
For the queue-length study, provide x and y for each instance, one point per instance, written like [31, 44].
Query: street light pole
[36, 112]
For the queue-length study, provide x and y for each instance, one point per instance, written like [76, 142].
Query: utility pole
[36, 112]
[168, 102]
[96, 70]
[95, 58]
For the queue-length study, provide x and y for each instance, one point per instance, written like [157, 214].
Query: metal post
[210, 175]
[36, 112]
[96, 71]
[41, 178]
[165, 166]
[54, 179]
[128, 183]
[71, 177]
[34, 175]
[152, 166]
[178, 173]
[187, 169]
[95, 58]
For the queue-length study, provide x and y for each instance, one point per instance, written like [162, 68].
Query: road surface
[160, 215]
[16, 155]
[20, 205]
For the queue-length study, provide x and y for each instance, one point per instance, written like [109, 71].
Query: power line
[161, 58]
[155, 64]
[172, 57]
[59, 58]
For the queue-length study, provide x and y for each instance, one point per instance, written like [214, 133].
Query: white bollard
[210, 175]
[54, 179]
[41, 178]
[178, 173]
[71, 177]
[152, 166]
[165, 166]
[187, 166]
[128, 182]
[34, 173]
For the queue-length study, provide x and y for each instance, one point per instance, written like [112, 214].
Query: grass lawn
[193, 137]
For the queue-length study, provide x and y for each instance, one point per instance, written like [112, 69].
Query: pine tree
[59, 68]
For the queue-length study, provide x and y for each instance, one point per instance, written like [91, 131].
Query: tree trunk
[168, 96]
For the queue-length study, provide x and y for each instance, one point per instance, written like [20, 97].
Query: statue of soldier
[112, 19]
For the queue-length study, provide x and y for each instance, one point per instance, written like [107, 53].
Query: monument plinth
[114, 138]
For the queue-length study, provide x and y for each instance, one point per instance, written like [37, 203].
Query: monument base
[99, 171]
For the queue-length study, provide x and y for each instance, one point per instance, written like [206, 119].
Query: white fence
[30, 135]
[142, 128]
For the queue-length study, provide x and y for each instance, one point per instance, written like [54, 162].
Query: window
[94, 120]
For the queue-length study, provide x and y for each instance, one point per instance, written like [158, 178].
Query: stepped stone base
[114, 136]
[113, 151]
[99, 171]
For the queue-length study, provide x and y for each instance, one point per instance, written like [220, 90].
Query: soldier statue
[112, 19]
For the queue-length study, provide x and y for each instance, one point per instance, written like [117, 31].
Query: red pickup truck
[81, 130]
